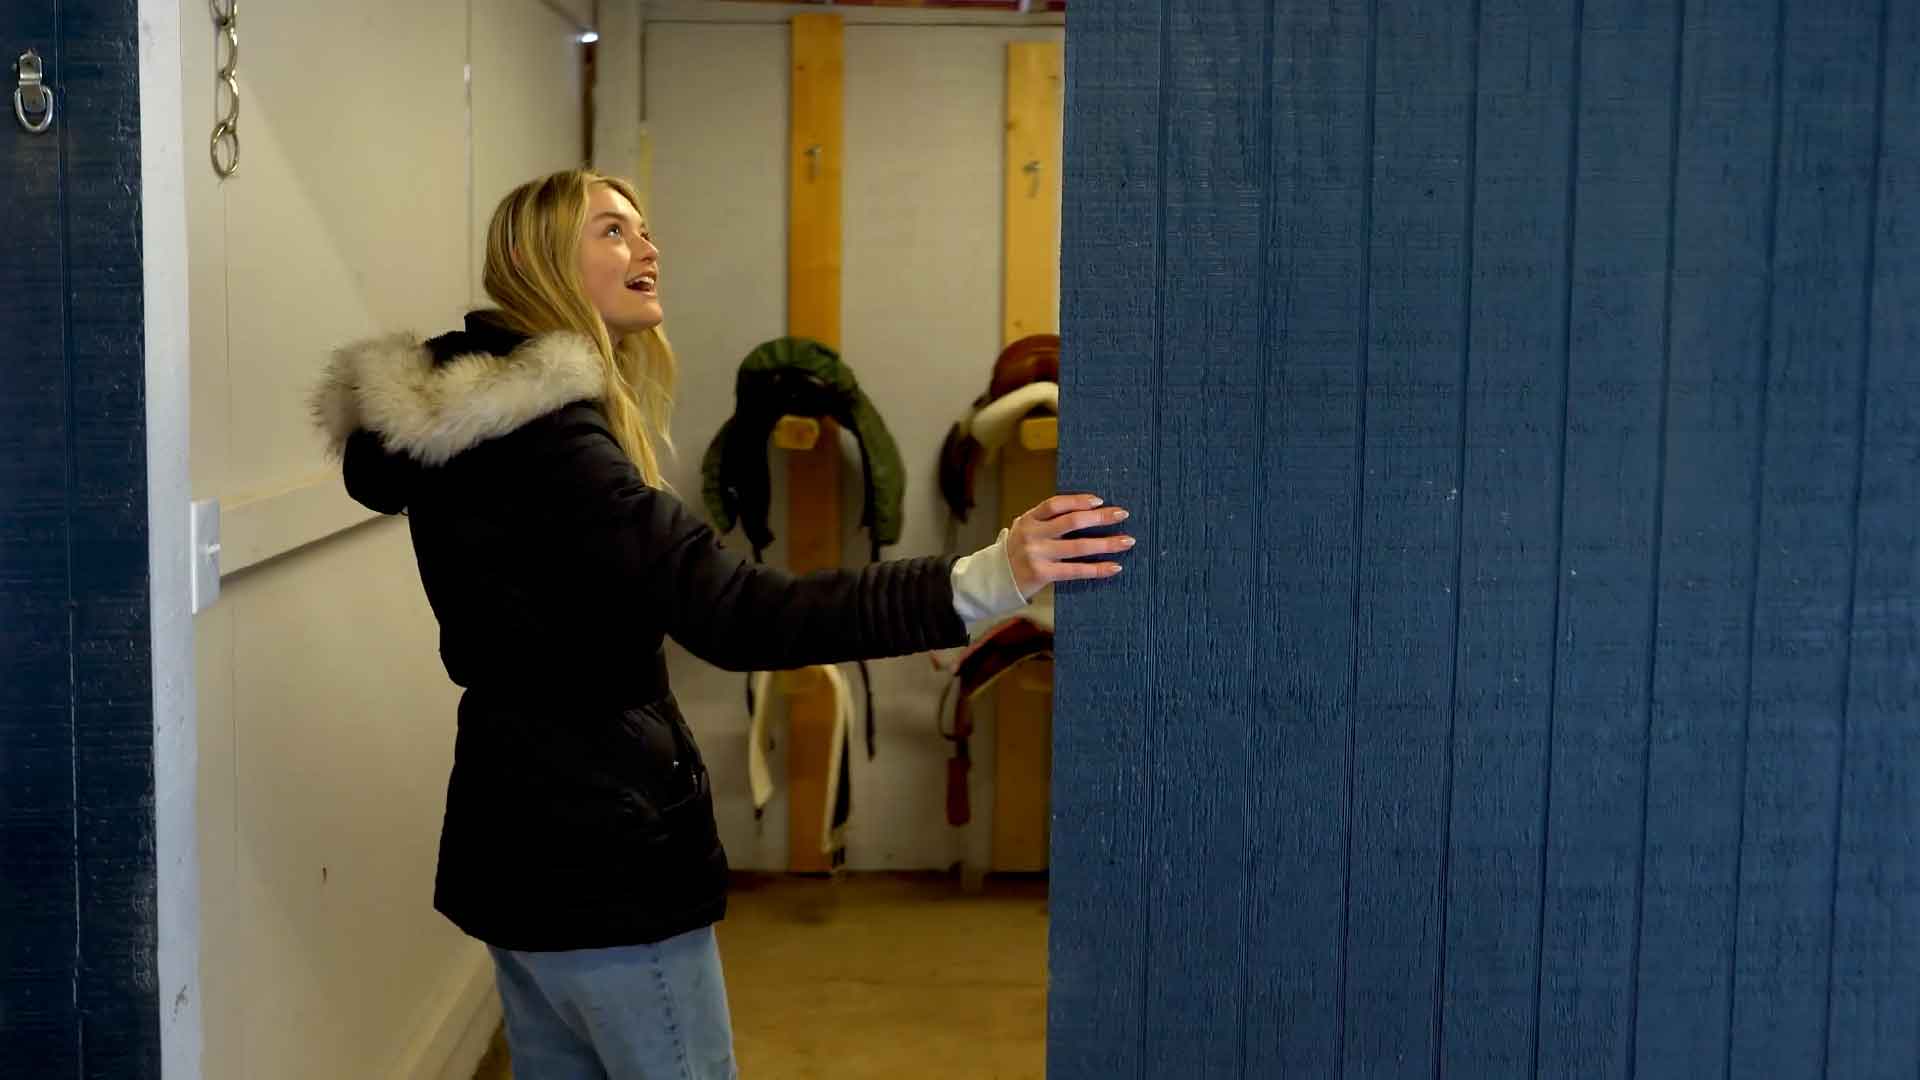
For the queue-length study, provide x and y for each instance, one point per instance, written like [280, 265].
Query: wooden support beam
[1023, 715]
[1023, 710]
[813, 472]
[813, 248]
[1031, 282]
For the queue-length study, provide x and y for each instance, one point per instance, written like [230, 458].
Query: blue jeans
[640, 1012]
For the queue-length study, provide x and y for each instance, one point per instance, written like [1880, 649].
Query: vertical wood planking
[1022, 715]
[77, 861]
[1723, 242]
[813, 543]
[1508, 497]
[110, 615]
[1210, 418]
[1104, 774]
[814, 235]
[813, 476]
[1023, 738]
[1315, 292]
[1036, 86]
[1665, 827]
[1875, 994]
[1610, 533]
[1423, 87]
[1809, 493]
[39, 918]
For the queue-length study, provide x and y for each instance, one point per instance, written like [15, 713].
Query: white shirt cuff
[983, 585]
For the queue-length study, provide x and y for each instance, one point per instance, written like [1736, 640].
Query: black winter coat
[579, 813]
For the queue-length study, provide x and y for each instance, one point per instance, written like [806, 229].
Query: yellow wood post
[1031, 284]
[813, 475]
[813, 233]
[1023, 707]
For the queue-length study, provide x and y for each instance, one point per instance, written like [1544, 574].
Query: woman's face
[619, 265]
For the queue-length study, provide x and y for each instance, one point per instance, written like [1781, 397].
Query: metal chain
[224, 147]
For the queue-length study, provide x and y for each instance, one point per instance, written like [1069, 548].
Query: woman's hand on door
[1041, 553]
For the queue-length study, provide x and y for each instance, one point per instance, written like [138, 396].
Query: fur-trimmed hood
[431, 400]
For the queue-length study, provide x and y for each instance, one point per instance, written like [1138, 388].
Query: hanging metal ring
[31, 74]
[20, 110]
[224, 150]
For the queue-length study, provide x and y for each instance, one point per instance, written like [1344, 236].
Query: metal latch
[32, 101]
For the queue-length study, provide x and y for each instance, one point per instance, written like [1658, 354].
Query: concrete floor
[882, 975]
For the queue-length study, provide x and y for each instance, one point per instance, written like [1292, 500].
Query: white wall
[925, 117]
[619, 117]
[325, 719]
[526, 119]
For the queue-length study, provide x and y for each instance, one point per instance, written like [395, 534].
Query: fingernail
[1127, 541]
[1097, 501]
[1119, 515]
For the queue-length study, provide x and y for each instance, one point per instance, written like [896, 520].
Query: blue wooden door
[1519, 671]
[77, 983]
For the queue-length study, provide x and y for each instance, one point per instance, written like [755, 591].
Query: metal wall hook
[32, 95]
[813, 161]
[1032, 169]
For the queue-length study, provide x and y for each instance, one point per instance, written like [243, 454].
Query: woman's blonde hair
[533, 273]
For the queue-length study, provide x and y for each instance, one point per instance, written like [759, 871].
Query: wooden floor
[882, 976]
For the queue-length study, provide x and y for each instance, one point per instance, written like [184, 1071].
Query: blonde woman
[579, 840]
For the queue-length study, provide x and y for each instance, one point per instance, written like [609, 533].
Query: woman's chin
[640, 317]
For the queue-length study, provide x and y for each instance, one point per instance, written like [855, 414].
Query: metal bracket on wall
[203, 540]
[32, 99]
